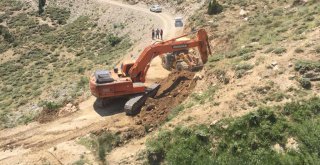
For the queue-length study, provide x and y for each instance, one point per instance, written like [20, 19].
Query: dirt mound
[47, 115]
[173, 91]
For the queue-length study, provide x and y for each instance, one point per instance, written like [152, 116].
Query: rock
[150, 107]
[198, 76]
[225, 126]
[150, 129]
[243, 12]
[254, 43]
[274, 63]
[69, 105]
[290, 65]
[214, 122]
[249, 71]
[292, 144]
[139, 122]
[278, 148]
[292, 76]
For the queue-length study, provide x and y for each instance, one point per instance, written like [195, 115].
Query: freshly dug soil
[173, 91]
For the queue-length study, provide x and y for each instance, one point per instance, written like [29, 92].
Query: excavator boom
[139, 69]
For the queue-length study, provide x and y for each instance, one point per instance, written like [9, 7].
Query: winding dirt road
[37, 143]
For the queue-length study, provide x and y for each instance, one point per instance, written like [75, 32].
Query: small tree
[214, 7]
[42, 3]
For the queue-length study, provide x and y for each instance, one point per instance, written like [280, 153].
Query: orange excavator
[129, 81]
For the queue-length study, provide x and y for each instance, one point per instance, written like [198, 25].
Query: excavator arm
[139, 69]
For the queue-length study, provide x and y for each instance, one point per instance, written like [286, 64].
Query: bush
[305, 83]
[279, 50]
[50, 105]
[317, 49]
[304, 66]
[113, 40]
[299, 50]
[61, 15]
[4, 31]
[214, 7]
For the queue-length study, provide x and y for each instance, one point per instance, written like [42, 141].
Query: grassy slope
[274, 29]
[246, 140]
[52, 59]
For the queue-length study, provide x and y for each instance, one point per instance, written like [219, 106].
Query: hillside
[266, 58]
[45, 60]
[256, 101]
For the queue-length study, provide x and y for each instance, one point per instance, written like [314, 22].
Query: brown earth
[173, 91]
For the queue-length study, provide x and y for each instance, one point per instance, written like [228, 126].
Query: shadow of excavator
[109, 107]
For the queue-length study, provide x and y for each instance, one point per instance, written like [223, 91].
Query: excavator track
[134, 104]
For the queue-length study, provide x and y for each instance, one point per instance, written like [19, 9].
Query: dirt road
[52, 142]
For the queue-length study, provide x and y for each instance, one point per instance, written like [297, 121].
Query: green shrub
[279, 50]
[50, 105]
[61, 15]
[299, 50]
[305, 83]
[214, 7]
[304, 66]
[4, 31]
[241, 69]
[113, 39]
[106, 141]
[317, 49]
[101, 143]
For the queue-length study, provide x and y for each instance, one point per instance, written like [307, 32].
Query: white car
[156, 8]
[178, 22]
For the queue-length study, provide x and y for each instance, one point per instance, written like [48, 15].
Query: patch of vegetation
[279, 50]
[221, 75]
[175, 111]
[4, 31]
[241, 69]
[51, 106]
[317, 49]
[276, 96]
[305, 65]
[61, 15]
[207, 95]
[214, 7]
[299, 50]
[113, 39]
[305, 83]
[245, 140]
[100, 144]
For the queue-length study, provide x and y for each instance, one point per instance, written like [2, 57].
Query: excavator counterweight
[128, 81]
